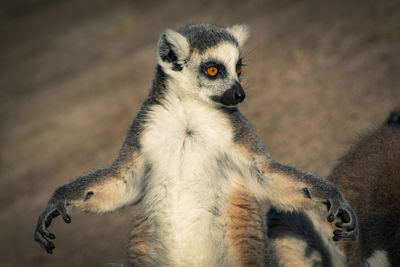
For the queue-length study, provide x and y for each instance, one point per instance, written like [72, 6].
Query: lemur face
[218, 72]
[203, 61]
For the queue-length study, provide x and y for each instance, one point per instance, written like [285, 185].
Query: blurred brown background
[74, 73]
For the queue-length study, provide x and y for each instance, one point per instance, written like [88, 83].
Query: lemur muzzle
[234, 95]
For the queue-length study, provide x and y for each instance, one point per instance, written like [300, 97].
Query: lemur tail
[394, 118]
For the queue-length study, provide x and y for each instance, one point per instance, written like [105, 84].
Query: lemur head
[203, 61]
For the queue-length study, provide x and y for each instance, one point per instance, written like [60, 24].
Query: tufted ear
[173, 49]
[241, 32]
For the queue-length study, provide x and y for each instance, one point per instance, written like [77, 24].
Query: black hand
[340, 209]
[41, 234]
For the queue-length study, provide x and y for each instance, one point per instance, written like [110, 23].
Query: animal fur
[194, 167]
[369, 177]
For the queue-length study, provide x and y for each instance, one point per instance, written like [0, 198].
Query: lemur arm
[103, 190]
[288, 188]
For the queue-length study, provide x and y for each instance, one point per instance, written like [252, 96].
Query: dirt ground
[74, 73]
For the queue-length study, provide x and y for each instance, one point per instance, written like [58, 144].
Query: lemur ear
[241, 32]
[173, 49]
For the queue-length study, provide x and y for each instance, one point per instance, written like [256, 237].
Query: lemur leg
[288, 188]
[103, 190]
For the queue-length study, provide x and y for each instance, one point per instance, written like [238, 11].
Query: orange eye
[212, 71]
[239, 69]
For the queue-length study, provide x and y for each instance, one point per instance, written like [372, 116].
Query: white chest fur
[184, 142]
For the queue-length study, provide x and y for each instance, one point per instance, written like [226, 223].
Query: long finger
[346, 226]
[345, 236]
[333, 211]
[48, 246]
[46, 233]
[63, 211]
[50, 217]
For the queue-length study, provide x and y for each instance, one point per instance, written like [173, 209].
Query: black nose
[234, 95]
[239, 96]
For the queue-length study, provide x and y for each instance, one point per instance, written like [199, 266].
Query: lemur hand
[339, 208]
[54, 208]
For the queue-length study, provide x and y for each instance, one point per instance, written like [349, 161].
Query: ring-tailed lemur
[369, 177]
[194, 165]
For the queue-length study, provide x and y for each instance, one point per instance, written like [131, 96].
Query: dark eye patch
[221, 69]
